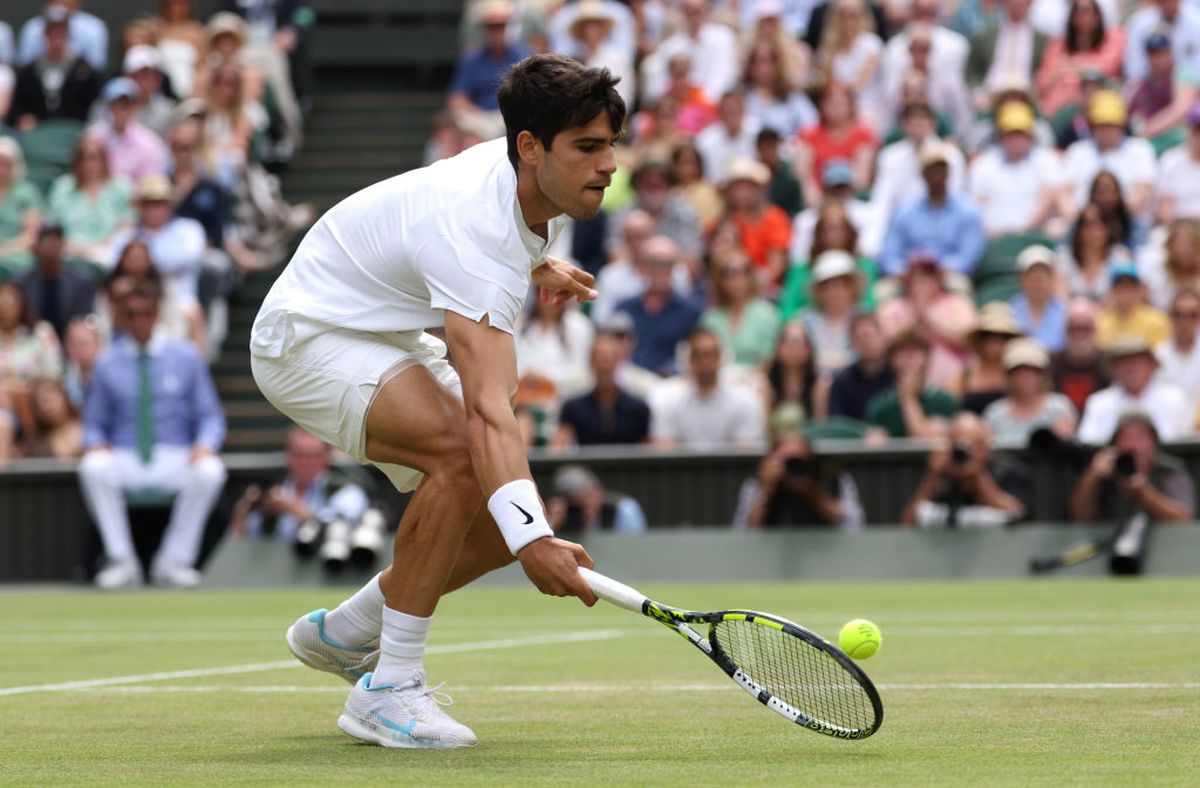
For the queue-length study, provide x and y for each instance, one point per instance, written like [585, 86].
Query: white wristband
[517, 510]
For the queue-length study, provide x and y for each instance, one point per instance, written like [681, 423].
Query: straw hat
[591, 11]
[996, 317]
[1025, 352]
[743, 169]
[226, 23]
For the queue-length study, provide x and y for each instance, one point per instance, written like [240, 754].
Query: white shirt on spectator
[899, 176]
[729, 415]
[948, 53]
[1132, 161]
[1165, 402]
[847, 67]
[1012, 59]
[1181, 369]
[1185, 38]
[717, 147]
[620, 281]
[1049, 17]
[176, 249]
[560, 354]
[1008, 192]
[1179, 179]
[715, 61]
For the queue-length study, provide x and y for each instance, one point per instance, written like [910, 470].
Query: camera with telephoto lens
[799, 467]
[1125, 465]
[1047, 443]
[960, 455]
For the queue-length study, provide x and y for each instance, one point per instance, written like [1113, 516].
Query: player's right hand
[553, 564]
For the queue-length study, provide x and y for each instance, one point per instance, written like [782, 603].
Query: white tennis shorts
[325, 379]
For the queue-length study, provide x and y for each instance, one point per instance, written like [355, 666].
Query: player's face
[578, 168]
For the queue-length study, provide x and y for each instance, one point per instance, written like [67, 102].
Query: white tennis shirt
[394, 256]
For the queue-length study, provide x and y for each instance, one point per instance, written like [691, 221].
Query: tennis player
[340, 346]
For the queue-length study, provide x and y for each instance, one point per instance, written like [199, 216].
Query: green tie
[145, 408]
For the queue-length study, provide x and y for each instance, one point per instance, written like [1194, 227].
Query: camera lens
[1125, 464]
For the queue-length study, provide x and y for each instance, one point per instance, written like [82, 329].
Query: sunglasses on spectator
[1180, 314]
[1081, 328]
[735, 270]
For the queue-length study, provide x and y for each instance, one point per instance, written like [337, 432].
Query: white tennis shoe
[407, 715]
[309, 643]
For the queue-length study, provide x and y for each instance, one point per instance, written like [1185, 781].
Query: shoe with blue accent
[309, 643]
[407, 715]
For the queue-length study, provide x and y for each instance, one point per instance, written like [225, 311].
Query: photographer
[1133, 470]
[964, 486]
[796, 488]
[581, 504]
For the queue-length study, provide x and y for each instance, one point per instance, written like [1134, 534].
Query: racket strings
[798, 673]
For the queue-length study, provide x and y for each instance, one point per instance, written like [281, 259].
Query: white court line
[257, 667]
[621, 688]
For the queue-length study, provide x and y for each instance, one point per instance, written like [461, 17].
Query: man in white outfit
[340, 346]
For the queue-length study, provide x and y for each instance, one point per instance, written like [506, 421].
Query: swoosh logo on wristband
[528, 516]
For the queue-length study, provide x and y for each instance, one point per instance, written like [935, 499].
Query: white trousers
[107, 475]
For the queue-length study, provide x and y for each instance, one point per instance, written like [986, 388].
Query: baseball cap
[933, 153]
[1015, 116]
[1107, 108]
[831, 264]
[1128, 346]
[1124, 269]
[837, 172]
[49, 226]
[574, 479]
[1025, 352]
[1035, 255]
[1158, 41]
[140, 57]
[56, 15]
[119, 88]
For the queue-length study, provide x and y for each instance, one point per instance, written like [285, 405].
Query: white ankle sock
[358, 620]
[401, 647]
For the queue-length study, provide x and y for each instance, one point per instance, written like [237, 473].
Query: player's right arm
[486, 360]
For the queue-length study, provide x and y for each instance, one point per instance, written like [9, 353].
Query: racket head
[795, 672]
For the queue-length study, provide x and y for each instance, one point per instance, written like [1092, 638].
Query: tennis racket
[787, 668]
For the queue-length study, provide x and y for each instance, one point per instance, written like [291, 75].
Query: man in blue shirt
[152, 423]
[477, 75]
[661, 319]
[1041, 314]
[88, 33]
[948, 225]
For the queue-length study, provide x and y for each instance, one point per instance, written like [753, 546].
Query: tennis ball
[860, 638]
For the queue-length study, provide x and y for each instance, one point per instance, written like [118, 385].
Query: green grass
[636, 706]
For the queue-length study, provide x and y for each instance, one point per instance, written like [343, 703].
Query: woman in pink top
[1087, 46]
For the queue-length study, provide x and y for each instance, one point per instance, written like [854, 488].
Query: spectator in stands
[1177, 187]
[715, 71]
[20, 211]
[942, 222]
[1133, 368]
[606, 414]
[728, 140]
[943, 316]
[661, 318]
[911, 408]
[679, 113]
[176, 243]
[477, 74]
[772, 98]
[200, 197]
[1106, 195]
[143, 64]
[152, 421]
[56, 82]
[1018, 185]
[1071, 124]
[946, 50]
[984, 379]
[552, 342]
[795, 487]
[1040, 313]
[310, 488]
[1179, 356]
[1180, 18]
[784, 190]
[746, 324]
[964, 486]
[672, 215]
[82, 348]
[182, 44]
[781, 24]
[625, 275]
[134, 151]
[899, 168]
[869, 374]
[1160, 101]
[1028, 404]
[177, 319]
[1180, 271]
[29, 352]
[231, 123]
[58, 431]
[1159, 485]
[1086, 44]
[1007, 52]
[582, 505]
[793, 383]
[592, 28]
[87, 33]
[1081, 367]
[90, 204]
[836, 286]
[1084, 266]
[839, 135]
[687, 172]
[849, 53]
[764, 231]
[1131, 159]
[702, 411]
[944, 88]
[55, 293]
[1127, 315]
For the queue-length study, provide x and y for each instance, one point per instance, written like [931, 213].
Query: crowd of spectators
[946, 219]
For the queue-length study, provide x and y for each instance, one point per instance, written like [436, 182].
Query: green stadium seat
[48, 150]
[995, 276]
[836, 428]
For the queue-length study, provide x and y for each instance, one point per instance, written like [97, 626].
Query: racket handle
[613, 592]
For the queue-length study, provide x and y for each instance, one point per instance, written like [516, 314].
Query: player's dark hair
[547, 94]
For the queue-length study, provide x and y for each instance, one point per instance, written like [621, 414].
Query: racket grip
[613, 592]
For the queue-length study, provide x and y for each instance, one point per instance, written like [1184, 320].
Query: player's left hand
[560, 281]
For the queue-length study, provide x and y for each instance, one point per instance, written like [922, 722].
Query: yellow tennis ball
[860, 638]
